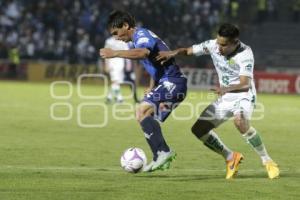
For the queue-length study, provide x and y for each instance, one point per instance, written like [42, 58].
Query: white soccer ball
[133, 160]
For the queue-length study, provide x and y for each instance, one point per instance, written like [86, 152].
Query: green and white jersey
[229, 69]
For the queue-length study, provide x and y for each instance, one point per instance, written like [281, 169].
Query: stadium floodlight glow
[79, 82]
[90, 104]
[55, 83]
[61, 104]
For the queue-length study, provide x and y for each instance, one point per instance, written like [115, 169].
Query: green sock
[254, 139]
[212, 141]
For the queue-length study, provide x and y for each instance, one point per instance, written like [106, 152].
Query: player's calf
[201, 128]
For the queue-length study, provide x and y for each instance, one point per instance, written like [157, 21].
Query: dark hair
[229, 31]
[117, 19]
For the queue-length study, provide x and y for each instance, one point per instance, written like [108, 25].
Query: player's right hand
[107, 53]
[219, 91]
[163, 56]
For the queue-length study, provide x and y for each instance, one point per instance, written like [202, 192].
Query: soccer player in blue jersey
[167, 87]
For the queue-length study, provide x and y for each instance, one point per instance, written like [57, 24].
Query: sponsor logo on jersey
[249, 67]
[247, 61]
[140, 33]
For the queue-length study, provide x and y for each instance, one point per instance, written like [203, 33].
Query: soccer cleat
[164, 160]
[166, 166]
[108, 101]
[119, 100]
[272, 169]
[232, 166]
[148, 168]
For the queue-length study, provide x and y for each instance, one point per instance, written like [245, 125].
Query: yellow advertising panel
[58, 71]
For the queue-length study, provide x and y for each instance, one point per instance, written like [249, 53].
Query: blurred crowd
[74, 30]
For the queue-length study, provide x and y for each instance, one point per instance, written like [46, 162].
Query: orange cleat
[232, 166]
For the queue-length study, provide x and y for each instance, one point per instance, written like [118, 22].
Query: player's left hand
[219, 91]
[107, 53]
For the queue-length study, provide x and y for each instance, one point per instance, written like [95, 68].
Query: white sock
[109, 96]
[120, 97]
[115, 87]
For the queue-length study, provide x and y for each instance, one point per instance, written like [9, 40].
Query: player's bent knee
[142, 113]
[201, 128]
[241, 124]
[137, 116]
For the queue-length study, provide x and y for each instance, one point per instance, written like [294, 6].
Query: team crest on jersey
[142, 40]
[232, 64]
[231, 61]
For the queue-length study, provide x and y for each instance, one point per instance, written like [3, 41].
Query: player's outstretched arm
[130, 54]
[166, 55]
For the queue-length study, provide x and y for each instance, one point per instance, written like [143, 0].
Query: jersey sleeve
[130, 45]
[106, 44]
[203, 48]
[144, 40]
[246, 62]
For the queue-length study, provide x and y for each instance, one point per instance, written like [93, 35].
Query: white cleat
[148, 168]
[163, 160]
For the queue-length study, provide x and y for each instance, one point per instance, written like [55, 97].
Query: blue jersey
[144, 38]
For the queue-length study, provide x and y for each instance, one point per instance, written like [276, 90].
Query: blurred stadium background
[44, 41]
[71, 32]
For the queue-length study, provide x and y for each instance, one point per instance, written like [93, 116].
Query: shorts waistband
[238, 91]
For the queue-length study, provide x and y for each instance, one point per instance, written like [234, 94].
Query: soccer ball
[133, 160]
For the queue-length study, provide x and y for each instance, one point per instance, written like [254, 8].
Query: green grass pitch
[42, 158]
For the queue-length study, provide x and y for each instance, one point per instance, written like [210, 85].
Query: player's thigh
[242, 115]
[117, 74]
[144, 109]
[216, 113]
[165, 98]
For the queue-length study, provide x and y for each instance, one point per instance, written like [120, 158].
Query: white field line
[116, 169]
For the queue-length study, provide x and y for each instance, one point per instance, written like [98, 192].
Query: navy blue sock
[154, 136]
[159, 136]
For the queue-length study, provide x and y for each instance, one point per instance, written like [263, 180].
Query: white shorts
[229, 105]
[116, 69]
[116, 74]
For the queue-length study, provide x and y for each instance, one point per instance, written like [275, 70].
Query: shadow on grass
[217, 176]
[183, 177]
